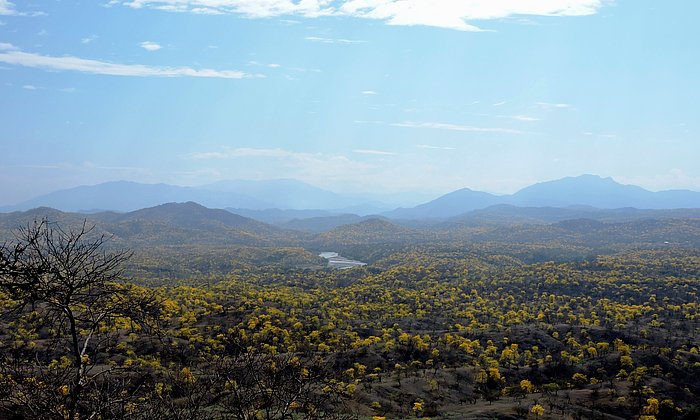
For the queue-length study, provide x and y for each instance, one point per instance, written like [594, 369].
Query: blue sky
[350, 95]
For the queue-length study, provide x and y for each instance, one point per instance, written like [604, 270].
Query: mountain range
[189, 230]
[289, 201]
[585, 191]
[125, 196]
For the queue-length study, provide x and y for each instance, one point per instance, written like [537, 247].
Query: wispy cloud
[369, 122]
[7, 8]
[455, 127]
[369, 92]
[88, 39]
[333, 40]
[452, 14]
[524, 118]
[150, 46]
[427, 146]
[373, 152]
[608, 136]
[12, 55]
[228, 153]
[30, 87]
[289, 163]
[271, 65]
[500, 103]
[549, 105]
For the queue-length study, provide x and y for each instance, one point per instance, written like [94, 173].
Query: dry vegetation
[441, 329]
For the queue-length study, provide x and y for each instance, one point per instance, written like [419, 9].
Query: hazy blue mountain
[452, 204]
[508, 214]
[126, 196]
[123, 196]
[602, 193]
[392, 200]
[585, 194]
[285, 200]
[278, 216]
[284, 194]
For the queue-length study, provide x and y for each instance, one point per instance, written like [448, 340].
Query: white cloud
[289, 163]
[427, 146]
[88, 39]
[245, 152]
[259, 64]
[30, 87]
[7, 8]
[4, 46]
[333, 40]
[549, 105]
[150, 46]
[524, 118]
[451, 14]
[500, 103]
[455, 127]
[369, 92]
[369, 122]
[250, 8]
[11, 55]
[373, 152]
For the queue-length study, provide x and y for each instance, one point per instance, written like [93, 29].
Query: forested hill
[528, 234]
[167, 224]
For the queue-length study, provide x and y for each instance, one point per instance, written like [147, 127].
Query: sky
[350, 95]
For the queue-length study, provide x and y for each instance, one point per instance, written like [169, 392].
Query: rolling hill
[167, 224]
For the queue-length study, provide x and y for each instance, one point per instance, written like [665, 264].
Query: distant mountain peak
[582, 191]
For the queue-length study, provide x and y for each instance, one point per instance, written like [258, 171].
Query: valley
[505, 312]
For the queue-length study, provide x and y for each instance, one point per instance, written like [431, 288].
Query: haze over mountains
[288, 201]
[199, 229]
[586, 212]
[301, 206]
[582, 191]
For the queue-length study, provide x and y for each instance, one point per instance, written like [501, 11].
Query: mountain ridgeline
[588, 212]
[202, 230]
[288, 201]
[586, 191]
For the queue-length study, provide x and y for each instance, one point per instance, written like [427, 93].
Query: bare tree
[65, 282]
